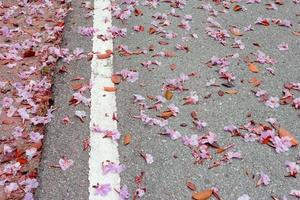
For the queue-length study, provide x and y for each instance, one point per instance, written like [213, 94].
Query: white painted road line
[103, 103]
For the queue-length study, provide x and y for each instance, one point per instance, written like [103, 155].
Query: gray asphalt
[167, 176]
[173, 163]
[67, 140]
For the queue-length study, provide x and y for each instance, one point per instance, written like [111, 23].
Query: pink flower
[250, 137]
[28, 196]
[295, 193]
[124, 194]
[80, 114]
[138, 98]
[30, 184]
[174, 109]
[23, 114]
[292, 168]
[174, 135]
[35, 137]
[185, 25]
[65, 163]
[148, 158]
[296, 103]
[102, 189]
[238, 44]
[283, 47]
[244, 197]
[218, 34]
[263, 180]
[129, 75]
[87, 31]
[225, 74]
[12, 168]
[190, 141]
[210, 138]
[111, 167]
[192, 99]
[272, 121]
[261, 92]
[7, 102]
[31, 152]
[248, 28]
[200, 124]
[80, 98]
[232, 155]
[281, 144]
[78, 52]
[272, 102]
[266, 136]
[285, 22]
[116, 32]
[231, 129]
[263, 58]
[114, 134]
[11, 187]
[140, 192]
[262, 21]
[7, 149]
[271, 6]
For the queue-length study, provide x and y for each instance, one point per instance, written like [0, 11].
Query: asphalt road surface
[219, 105]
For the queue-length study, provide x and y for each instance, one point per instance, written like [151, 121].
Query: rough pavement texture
[173, 163]
[67, 140]
[28, 32]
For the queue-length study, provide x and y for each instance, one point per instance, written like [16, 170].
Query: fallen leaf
[166, 114]
[151, 30]
[191, 186]
[172, 67]
[237, 8]
[116, 78]
[168, 95]
[285, 133]
[127, 139]
[170, 54]
[286, 100]
[265, 22]
[76, 86]
[194, 115]
[256, 44]
[105, 55]
[22, 160]
[220, 150]
[163, 43]
[235, 31]
[297, 33]
[220, 93]
[255, 82]
[203, 195]
[253, 68]
[110, 89]
[138, 12]
[279, 2]
[28, 53]
[231, 91]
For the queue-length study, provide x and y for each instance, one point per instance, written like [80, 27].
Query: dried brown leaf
[253, 68]
[116, 78]
[203, 195]
[285, 133]
[168, 94]
[231, 91]
[191, 186]
[110, 89]
[127, 139]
